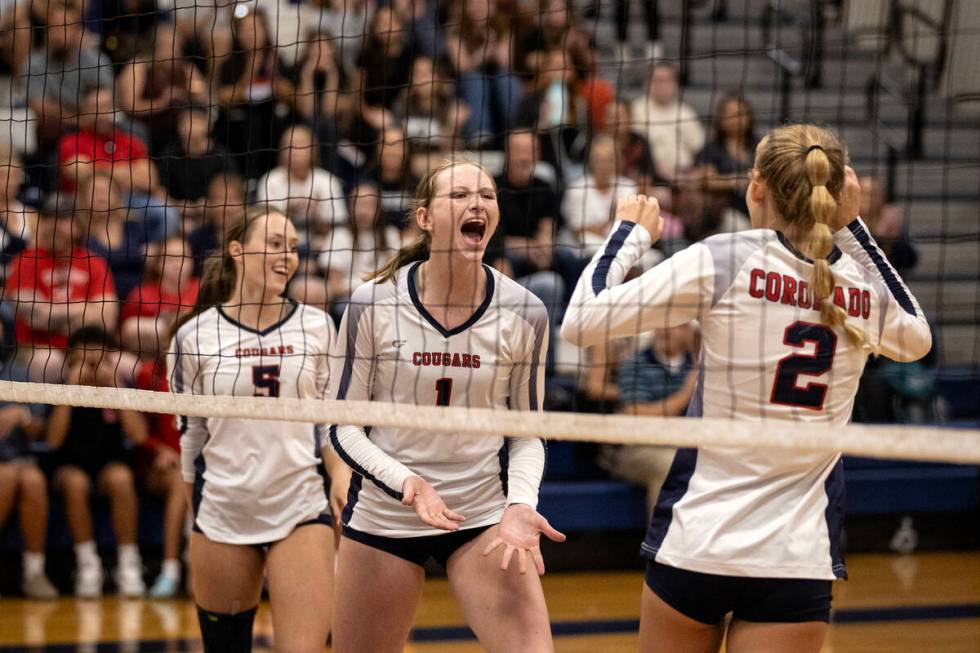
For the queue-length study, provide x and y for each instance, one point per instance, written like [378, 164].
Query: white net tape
[892, 441]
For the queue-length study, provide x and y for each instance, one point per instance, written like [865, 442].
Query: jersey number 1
[444, 391]
[266, 377]
[786, 389]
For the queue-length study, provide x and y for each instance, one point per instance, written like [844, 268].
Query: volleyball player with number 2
[437, 327]
[789, 313]
[257, 487]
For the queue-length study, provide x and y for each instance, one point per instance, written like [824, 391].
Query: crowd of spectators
[135, 132]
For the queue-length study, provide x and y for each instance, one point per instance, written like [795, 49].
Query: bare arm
[134, 425]
[58, 423]
[671, 406]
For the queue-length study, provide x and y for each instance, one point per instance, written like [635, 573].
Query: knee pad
[226, 633]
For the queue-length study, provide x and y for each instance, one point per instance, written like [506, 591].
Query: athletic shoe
[39, 588]
[88, 581]
[129, 581]
[164, 587]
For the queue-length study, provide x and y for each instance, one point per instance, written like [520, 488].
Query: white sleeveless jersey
[765, 355]
[392, 350]
[254, 480]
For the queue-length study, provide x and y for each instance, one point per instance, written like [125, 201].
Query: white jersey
[254, 480]
[392, 350]
[765, 355]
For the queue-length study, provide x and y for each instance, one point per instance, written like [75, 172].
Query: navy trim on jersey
[197, 494]
[674, 488]
[354, 312]
[480, 310]
[503, 457]
[321, 468]
[266, 331]
[394, 494]
[353, 492]
[891, 279]
[601, 272]
[834, 515]
[835, 253]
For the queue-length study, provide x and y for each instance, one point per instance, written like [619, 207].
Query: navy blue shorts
[708, 597]
[418, 550]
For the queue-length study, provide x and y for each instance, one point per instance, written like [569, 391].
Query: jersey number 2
[444, 391]
[266, 377]
[786, 389]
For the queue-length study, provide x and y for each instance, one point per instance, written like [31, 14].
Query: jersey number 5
[786, 389]
[266, 377]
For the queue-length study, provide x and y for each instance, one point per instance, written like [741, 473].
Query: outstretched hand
[644, 211]
[520, 532]
[428, 505]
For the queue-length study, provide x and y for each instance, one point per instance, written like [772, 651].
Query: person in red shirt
[57, 286]
[168, 291]
[99, 141]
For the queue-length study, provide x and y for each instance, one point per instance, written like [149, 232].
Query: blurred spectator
[17, 121]
[886, 223]
[556, 27]
[392, 174]
[657, 381]
[91, 454]
[157, 84]
[324, 100]
[190, 160]
[704, 214]
[422, 22]
[62, 72]
[22, 483]
[159, 472]
[224, 204]
[100, 143]
[635, 154]
[726, 161]
[589, 202]
[169, 289]
[359, 248]
[651, 14]
[428, 109]
[349, 21]
[529, 208]
[112, 231]
[125, 26]
[479, 45]
[671, 126]
[384, 66]
[312, 197]
[57, 287]
[552, 102]
[17, 222]
[254, 92]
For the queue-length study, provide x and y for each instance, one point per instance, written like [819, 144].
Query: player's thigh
[300, 570]
[116, 479]
[378, 595]
[803, 637]
[72, 481]
[227, 577]
[665, 630]
[506, 609]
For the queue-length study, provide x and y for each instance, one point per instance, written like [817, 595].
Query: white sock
[129, 554]
[86, 553]
[171, 569]
[33, 563]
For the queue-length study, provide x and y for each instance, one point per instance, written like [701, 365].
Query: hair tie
[812, 148]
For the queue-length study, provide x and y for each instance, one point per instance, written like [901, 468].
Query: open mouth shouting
[473, 230]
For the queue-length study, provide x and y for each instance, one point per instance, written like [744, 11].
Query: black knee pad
[226, 633]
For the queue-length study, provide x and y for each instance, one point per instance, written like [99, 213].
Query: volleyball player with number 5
[256, 487]
[437, 327]
[789, 313]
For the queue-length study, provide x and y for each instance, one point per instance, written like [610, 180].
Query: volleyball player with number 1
[256, 487]
[789, 313]
[437, 327]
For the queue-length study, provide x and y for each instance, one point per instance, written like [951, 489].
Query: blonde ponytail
[809, 207]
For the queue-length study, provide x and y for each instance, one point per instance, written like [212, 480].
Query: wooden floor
[927, 602]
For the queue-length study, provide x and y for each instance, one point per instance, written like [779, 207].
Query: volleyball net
[123, 172]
